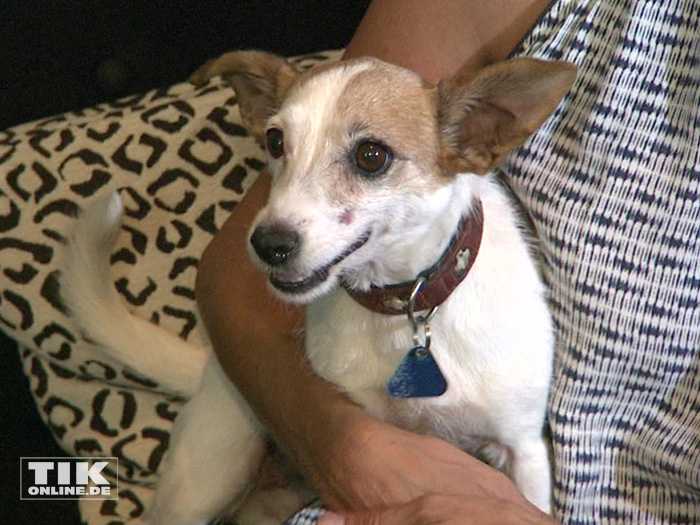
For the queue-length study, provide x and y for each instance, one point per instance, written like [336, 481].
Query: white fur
[492, 337]
[87, 291]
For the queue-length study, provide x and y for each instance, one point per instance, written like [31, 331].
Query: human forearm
[257, 340]
[436, 38]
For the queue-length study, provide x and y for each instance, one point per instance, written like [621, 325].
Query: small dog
[424, 302]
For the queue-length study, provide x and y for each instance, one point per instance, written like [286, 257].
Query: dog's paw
[494, 453]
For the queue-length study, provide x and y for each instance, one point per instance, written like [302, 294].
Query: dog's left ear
[261, 81]
[484, 115]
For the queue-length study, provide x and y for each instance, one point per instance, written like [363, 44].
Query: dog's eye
[372, 158]
[274, 142]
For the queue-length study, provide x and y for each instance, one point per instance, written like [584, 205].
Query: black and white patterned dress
[612, 185]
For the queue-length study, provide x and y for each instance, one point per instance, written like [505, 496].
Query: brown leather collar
[440, 279]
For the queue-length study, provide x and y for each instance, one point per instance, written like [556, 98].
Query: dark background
[63, 55]
[59, 55]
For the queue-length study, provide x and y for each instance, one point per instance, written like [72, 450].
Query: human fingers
[377, 465]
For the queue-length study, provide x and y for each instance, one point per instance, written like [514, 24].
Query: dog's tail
[88, 294]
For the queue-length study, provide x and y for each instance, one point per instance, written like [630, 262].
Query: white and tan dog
[424, 303]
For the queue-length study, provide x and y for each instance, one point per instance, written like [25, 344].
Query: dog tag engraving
[418, 375]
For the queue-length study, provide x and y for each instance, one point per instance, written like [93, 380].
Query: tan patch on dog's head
[398, 109]
[466, 124]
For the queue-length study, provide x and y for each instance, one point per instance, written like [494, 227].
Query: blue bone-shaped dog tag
[418, 375]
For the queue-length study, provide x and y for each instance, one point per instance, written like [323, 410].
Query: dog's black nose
[275, 245]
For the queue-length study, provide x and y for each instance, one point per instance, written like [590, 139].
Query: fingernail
[331, 518]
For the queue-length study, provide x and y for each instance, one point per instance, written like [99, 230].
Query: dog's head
[362, 150]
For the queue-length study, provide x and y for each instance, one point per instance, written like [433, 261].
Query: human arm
[355, 461]
[445, 509]
[436, 38]
[258, 343]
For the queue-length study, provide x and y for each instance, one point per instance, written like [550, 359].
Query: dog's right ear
[261, 81]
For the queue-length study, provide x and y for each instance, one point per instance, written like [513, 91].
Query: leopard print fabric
[181, 161]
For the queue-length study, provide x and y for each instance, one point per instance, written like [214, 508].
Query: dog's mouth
[291, 283]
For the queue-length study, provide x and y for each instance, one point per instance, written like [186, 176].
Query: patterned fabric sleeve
[612, 183]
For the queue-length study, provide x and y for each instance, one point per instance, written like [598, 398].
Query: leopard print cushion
[181, 160]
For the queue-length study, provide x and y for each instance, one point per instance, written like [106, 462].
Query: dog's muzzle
[278, 246]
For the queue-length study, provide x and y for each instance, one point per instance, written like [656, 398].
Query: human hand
[373, 465]
[444, 509]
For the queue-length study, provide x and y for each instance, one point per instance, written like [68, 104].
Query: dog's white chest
[492, 340]
[360, 351]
